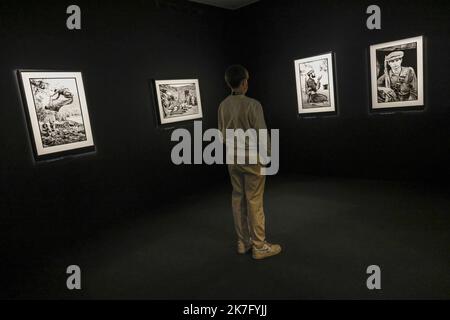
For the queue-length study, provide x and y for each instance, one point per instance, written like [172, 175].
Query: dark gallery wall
[120, 48]
[355, 143]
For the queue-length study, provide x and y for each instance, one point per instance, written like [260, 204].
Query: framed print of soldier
[396, 71]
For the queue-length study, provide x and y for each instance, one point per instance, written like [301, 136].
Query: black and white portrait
[315, 87]
[397, 73]
[57, 111]
[178, 100]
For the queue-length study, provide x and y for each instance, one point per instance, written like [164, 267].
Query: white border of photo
[199, 115]
[332, 107]
[40, 150]
[419, 71]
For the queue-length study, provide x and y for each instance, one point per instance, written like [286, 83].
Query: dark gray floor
[330, 229]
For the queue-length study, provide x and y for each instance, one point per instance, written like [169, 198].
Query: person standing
[238, 111]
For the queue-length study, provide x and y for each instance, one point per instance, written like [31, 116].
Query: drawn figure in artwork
[397, 83]
[38, 86]
[167, 102]
[49, 102]
[193, 100]
[58, 111]
[47, 120]
[41, 93]
[311, 88]
[187, 96]
[63, 98]
[177, 100]
[189, 100]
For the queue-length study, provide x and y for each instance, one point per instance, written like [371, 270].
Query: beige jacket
[241, 112]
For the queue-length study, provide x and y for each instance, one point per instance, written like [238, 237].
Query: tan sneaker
[243, 248]
[268, 250]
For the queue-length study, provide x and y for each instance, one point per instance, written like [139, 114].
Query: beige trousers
[247, 203]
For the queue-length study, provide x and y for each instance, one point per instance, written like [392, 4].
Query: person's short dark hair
[235, 74]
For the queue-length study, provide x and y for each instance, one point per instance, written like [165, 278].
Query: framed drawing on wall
[57, 112]
[178, 100]
[396, 71]
[315, 84]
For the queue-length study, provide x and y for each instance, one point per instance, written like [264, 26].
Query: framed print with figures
[315, 84]
[57, 112]
[178, 100]
[396, 71]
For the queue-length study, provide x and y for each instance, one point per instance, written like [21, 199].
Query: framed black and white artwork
[57, 112]
[178, 100]
[315, 84]
[396, 70]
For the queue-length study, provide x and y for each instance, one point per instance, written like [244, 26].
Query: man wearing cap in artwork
[397, 83]
[312, 87]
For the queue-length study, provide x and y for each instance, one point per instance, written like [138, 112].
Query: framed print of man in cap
[397, 73]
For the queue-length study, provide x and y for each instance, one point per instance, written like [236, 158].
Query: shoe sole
[265, 256]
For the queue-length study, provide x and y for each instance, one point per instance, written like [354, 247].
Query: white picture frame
[57, 111]
[315, 84]
[178, 100]
[405, 89]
